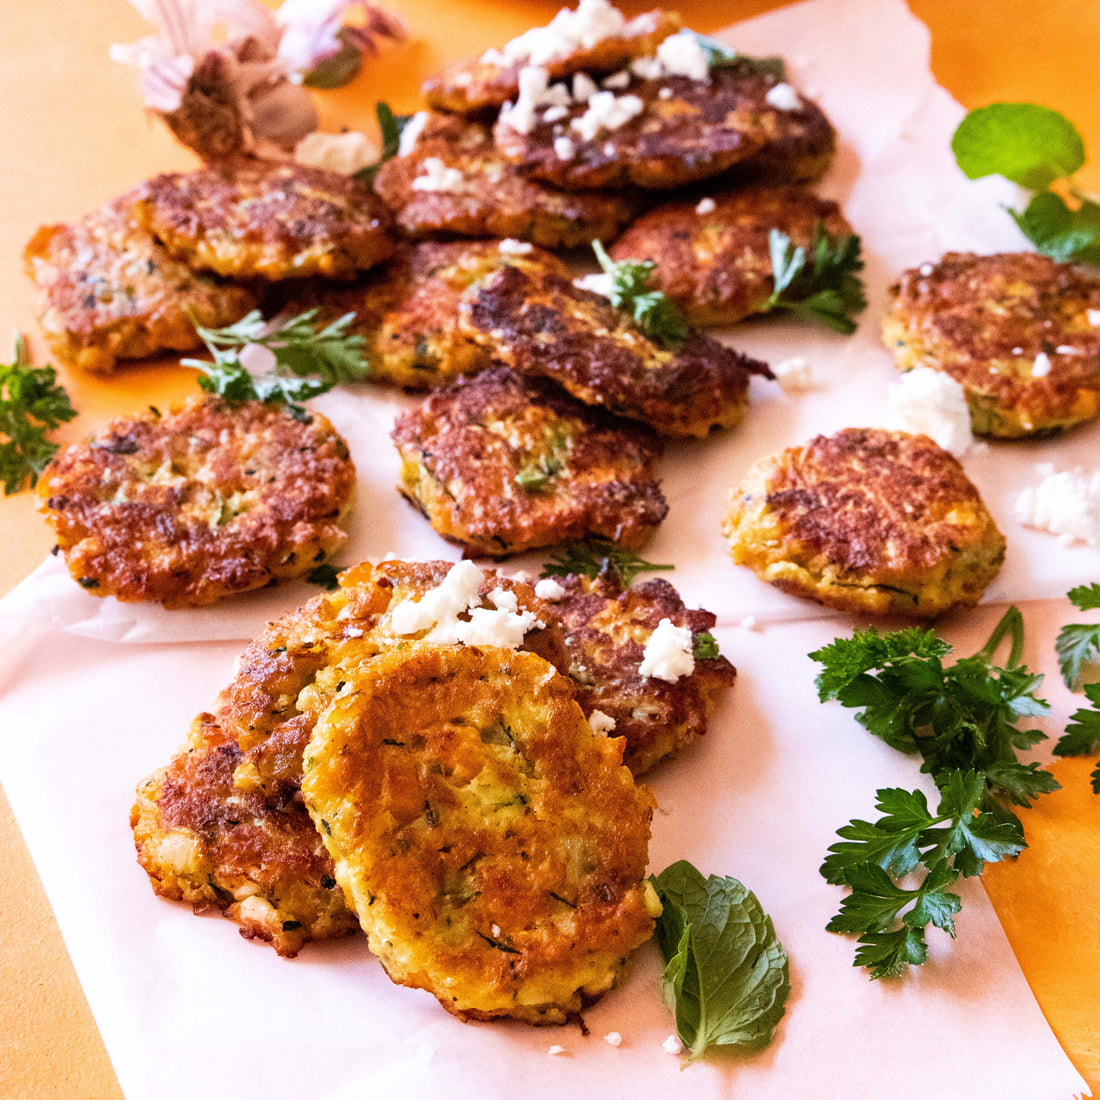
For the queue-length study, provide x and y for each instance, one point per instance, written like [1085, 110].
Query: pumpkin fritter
[199, 504]
[493, 846]
[493, 79]
[204, 841]
[454, 182]
[547, 326]
[1018, 331]
[106, 290]
[866, 521]
[249, 218]
[606, 629]
[501, 464]
[716, 265]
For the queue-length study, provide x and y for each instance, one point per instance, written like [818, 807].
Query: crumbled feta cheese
[556, 1049]
[511, 247]
[1066, 349]
[672, 1045]
[794, 374]
[930, 402]
[682, 55]
[1093, 317]
[437, 176]
[613, 1038]
[555, 113]
[1041, 367]
[535, 91]
[926, 269]
[494, 930]
[748, 623]
[410, 133]
[706, 206]
[591, 22]
[549, 589]
[503, 600]
[564, 149]
[665, 93]
[607, 111]
[1065, 503]
[345, 153]
[617, 81]
[668, 653]
[600, 722]
[599, 282]
[783, 98]
[646, 68]
[353, 632]
[584, 87]
[1017, 351]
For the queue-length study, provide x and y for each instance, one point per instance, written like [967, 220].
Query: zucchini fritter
[503, 464]
[199, 504]
[866, 521]
[251, 218]
[108, 291]
[206, 842]
[545, 325]
[1018, 331]
[493, 846]
[606, 629]
[455, 182]
[717, 266]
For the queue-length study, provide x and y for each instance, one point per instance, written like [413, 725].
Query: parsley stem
[1012, 621]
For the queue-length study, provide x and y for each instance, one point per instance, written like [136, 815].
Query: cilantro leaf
[390, 127]
[593, 557]
[727, 976]
[819, 283]
[31, 404]
[629, 290]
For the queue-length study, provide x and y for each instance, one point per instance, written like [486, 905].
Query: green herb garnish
[592, 557]
[962, 720]
[654, 313]
[705, 647]
[721, 56]
[537, 474]
[390, 127]
[31, 404]
[1035, 147]
[820, 283]
[727, 976]
[1077, 644]
[326, 575]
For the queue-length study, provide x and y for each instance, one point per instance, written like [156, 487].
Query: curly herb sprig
[629, 290]
[594, 557]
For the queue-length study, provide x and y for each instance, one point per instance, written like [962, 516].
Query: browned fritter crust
[494, 847]
[501, 464]
[407, 310]
[204, 841]
[471, 86]
[108, 291]
[493, 199]
[199, 504]
[253, 218]
[548, 326]
[606, 628]
[866, 520]
[984, 320]
[717, 266]
[294, 669]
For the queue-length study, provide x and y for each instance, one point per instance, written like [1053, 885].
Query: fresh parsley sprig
[1041, 150]
[963, 720]
[1078, 643]
[389, 127]
[726, 976]
[31, 404]
[593, 557]
[819, 283]
[653, 311]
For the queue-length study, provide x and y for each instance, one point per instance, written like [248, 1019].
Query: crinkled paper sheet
[185, 1006]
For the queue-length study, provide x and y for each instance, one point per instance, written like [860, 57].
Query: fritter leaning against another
[501, 464]
[453, 181]
[407, 310]
[550, 327]
[198, 504]
[492, 844]
[866, 521]
[1020, 332]
[249, 218]
[713, 256]
[108, 291]
[204, 841]
[607, 630]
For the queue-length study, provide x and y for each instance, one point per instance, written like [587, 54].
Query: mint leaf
[1059, 232]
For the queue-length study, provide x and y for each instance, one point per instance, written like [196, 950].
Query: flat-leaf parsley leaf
[820, 282]
[629, 289]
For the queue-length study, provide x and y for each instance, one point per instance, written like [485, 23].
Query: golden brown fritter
[501, 464]
[1019, 331]
[481, 194]
[493, 79]
[716, 264]
[866, 521]
[295, 668]
[548, 326]
[199, 504]
[606, 629]
[250, 218]
[108, 291]
[493, 846]
[204, 841]
[407, 310]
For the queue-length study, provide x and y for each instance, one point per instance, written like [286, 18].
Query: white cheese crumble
[706, 206]
[665, 93]
[672, 1045]
[926, 269]
[794, 374]
[600, 722]
[1093, 317]
[555, 113]
[599, 282]
[535, 91]
[564, 149]
[511, 247]
[613, 1038]
[617, 81]
[1067, 349]
[931, 403]
[584, 87]
[345, 153]
[748, 623]
[607, 111]
[1065, 503]
[410, 133]
[681, 55]
[437, 176]
[592, 21]
[667, 654]
[783, 98]
[549, 589]
[556, 1049]
[1041, 367]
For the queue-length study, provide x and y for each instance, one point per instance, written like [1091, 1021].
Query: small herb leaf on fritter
[653, 312]
[721, 56]
[705, 646]
[819, 283]
[389, 127]
[592, 557]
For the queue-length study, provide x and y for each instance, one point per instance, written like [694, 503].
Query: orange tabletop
[76, 135]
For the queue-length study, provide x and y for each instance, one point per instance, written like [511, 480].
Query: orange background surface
[75, 135]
